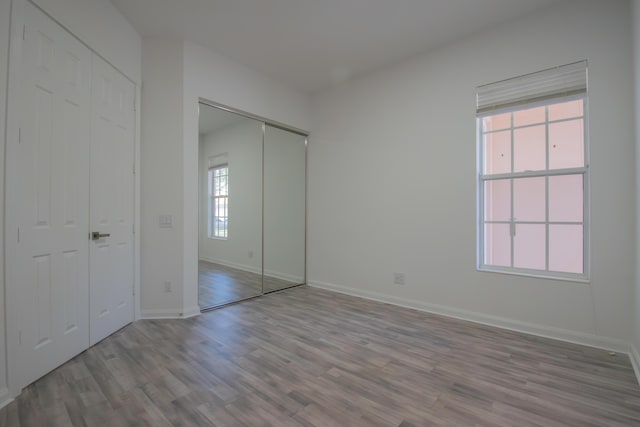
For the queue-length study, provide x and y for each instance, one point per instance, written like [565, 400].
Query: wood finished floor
[308, 357]
[219, 284]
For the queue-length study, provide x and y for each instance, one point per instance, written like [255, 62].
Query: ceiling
[313, 44]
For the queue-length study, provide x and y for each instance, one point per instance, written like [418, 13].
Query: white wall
[173, 256]
[161, 178]
[409, 131]
[5, 13]
[242, 144]
[635, 4]
[218, 79]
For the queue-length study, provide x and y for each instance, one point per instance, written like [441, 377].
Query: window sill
[217, 238]
[536, 275]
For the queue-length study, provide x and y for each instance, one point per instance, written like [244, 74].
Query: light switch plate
[165, 221]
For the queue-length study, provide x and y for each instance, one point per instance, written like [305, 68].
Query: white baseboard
[5, 397]
[634, 355]
[191, 312]
[169, 313]
[226, 263]
[581, 338]
[284, 276]
[250, 269]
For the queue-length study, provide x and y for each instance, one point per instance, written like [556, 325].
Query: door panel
[111, 200]
[51, 275]
[76, 133]
[284, 208]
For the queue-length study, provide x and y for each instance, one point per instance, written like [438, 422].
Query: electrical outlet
[398, 279]
[167, 286]
[250, 254]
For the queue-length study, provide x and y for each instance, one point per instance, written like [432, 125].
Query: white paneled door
[52, 267]
[71, 173]
[111, 249]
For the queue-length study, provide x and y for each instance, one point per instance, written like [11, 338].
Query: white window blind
[565, 80]
[217, 160]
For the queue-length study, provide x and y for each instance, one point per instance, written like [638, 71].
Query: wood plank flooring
[219, 284]
[308, 357]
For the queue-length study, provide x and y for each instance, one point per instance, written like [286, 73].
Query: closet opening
[251, 206]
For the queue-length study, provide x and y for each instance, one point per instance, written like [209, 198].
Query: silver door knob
[95, 235]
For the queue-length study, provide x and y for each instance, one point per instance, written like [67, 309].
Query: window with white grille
[533, 175]
[219, 202]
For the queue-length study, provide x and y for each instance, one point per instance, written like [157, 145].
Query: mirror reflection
[230, 204]
[284, 209]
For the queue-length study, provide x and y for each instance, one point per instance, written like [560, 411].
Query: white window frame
[584, 171]
[212, 217]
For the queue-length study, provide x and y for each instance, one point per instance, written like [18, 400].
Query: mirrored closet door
[284, 208]
[252, 207]
[230, 229]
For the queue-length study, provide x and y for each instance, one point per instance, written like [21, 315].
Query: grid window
[533, 189]
[219, 202]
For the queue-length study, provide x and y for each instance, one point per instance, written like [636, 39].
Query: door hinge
[19, 337]
[18, 234]
[24, 32]
[133, 228]
[19, 135]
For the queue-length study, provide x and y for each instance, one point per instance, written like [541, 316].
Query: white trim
[5, 397]
[137, 225]
[14, 93]
[591, 340]
[513, 176]
[534, 174]
[242, 267]
[284, 276]
[563, 277]
[634, 356]
[170, 313]
[267, 273]
[191, 312]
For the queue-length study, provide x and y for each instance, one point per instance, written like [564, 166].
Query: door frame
[12, 126]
